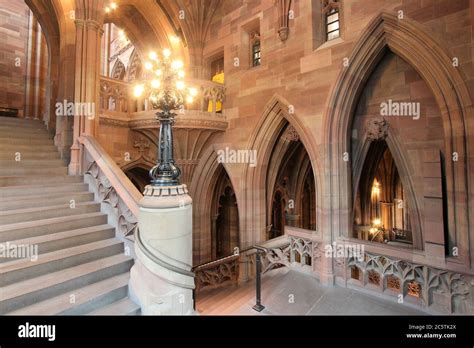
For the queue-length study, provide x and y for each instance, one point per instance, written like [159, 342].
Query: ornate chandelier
[166, 92]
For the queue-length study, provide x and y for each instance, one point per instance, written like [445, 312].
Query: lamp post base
[258, 307]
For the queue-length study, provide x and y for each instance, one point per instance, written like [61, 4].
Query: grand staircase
[81, 266]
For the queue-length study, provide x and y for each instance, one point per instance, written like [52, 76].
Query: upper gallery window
[332, 24]
[256, 51]
[331, 14]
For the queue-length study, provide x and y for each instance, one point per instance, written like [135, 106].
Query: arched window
[256, 51]
[332, 20]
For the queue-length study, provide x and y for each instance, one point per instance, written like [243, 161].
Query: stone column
[88, 39]
[30, 68]
[161, 280]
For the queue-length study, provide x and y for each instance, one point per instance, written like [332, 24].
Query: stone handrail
[276, 254]
[111, 186]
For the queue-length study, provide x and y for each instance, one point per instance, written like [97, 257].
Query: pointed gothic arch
[202, 189]
[275, 118]
[118, 71]
[408, 40]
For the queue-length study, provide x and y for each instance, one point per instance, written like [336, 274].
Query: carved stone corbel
[283, 7]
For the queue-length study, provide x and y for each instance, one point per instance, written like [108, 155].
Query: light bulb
[138, 91]
[166, 53]
[181, 74]
[155, 83]
[377, 222]
[153, 56]
[177, 64]
[180, 85]
[148, 66]
[107, 10]
[189, 99]
[113, 6]
[193, 91]
[174, 39]
[158, 72]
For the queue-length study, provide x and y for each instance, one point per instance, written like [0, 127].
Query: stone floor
[287, 292]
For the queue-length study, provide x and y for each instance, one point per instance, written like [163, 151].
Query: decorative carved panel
[373, 277]
[421, 281]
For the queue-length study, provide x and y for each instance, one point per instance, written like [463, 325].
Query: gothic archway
[224, 217]
[269, 130]
[205, 206]
[407, 40]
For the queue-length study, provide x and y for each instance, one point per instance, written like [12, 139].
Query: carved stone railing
[116, 99]
[210, 93]
[114, 95]
[112, 187]
[435, 290]
[217, 273]
[305, 248]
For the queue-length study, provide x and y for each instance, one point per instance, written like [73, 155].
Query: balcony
[116, 99]
[194, 125]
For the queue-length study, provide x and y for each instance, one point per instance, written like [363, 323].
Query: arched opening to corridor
[224, 216]
[139, 177]
[30, 63]
[291, 193]
[381, 205]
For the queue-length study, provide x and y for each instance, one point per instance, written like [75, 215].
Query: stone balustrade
[112, 188]
[433, 289]
[116, 97]
[217, 273]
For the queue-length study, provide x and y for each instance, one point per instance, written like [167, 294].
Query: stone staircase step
[50, 179]
[28, 292]
[78, 264]
[21, 122]
[36, 228]
[55, 198]
[32, 171]
[31, 133]
[31, 163]
[30, 190]
[25, 141]
[26, 268]
[124, 306]
[28, 147]
[47, 212]
[86, 298]
[67, 239]
[28, 155]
